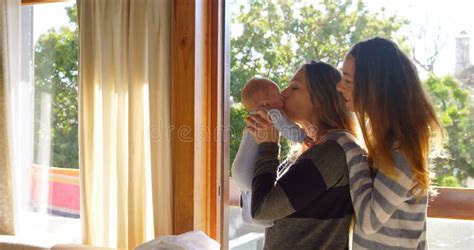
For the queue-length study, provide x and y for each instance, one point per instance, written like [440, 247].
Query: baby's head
[261, 93]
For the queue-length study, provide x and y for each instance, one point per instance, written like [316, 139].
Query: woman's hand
[261, 128]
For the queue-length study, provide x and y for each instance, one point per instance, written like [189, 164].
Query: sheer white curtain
[17, 120]
[20, 214]
[124, 120]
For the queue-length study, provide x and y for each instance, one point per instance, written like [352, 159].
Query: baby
[260, 93]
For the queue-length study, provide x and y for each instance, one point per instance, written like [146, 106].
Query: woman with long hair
[308, 200]
[398, 123]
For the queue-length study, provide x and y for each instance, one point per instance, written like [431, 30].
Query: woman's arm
[296, 188]
[301, 184]
[376, 199]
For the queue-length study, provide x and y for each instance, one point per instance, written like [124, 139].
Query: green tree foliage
[56, 73]
[280, 35]
[456, 112]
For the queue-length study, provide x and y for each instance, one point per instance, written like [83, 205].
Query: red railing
[59, 187]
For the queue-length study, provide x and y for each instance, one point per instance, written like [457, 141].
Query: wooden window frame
[450, 203]
[217, 56]
[200, 102]
[35, 2]
[200, 90]
[198, 109]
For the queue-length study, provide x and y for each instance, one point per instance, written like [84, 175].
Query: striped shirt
[309, 202]
[388, 215]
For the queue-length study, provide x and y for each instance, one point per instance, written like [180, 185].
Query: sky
[48, 16]
[448, 18]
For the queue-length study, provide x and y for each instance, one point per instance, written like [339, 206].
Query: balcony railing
[56, 190]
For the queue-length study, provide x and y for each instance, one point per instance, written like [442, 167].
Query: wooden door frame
[199, 112]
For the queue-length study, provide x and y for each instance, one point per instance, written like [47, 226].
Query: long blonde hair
[391, 106]
[331, 111]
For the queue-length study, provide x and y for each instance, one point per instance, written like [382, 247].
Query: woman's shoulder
[327, 148]
[329, 158]
[334, 144]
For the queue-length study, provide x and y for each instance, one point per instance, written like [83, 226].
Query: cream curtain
[124, 117]
[9, 82]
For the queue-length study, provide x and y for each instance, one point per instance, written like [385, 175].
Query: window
[273, 38]
[50, 203]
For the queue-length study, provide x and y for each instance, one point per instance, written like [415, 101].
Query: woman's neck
[313, 131]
